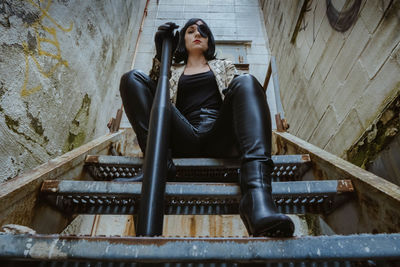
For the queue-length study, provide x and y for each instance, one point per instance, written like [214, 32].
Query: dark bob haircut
[181, 52]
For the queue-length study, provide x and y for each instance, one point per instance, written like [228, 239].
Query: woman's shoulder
[177, 67]
[221, 63]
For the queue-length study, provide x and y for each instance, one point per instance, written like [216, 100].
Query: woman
[213, 110]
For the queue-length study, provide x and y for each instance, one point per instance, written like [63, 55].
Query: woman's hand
[166, 30]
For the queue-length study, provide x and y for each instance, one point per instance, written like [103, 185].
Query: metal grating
[106, 168]
[90, 197]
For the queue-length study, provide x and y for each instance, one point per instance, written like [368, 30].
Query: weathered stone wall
[335, 85]
[60, 67]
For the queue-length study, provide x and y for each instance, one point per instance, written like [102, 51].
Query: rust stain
[92, 159]
[345, 186]
[213, 226]
[203, 225]
[306, 157]
[130, 227]
[220, 224]
[50, 186]
[192, 225]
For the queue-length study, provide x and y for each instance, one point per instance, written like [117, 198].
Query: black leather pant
[241, 128]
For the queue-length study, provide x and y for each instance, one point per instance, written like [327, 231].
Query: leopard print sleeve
[155, 70]
[231, 71]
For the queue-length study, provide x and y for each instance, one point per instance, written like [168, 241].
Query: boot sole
[280, 229]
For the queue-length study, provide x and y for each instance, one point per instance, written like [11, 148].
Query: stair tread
[193, 198]
[287, 167]
[160, 249]
[298, 188]
[194, 162]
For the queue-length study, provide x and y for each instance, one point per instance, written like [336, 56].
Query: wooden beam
[19, 196]
[376, 207]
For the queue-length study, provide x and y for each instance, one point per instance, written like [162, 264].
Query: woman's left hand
[166, 30]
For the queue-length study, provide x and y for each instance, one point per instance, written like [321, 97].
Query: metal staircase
[362, 210]
[197, 189]
[206, 196]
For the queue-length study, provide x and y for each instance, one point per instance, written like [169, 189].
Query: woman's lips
[197, 41]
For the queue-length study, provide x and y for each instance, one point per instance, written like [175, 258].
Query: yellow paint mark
[46, 14]
[24, 91]
[41, 51]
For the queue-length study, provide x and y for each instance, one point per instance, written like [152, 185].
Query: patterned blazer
[224, 72]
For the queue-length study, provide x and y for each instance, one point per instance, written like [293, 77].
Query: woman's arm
[155, 70]
[164, 31]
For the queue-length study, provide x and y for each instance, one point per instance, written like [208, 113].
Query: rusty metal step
[106, 168]
[336, 250]
[94, 197]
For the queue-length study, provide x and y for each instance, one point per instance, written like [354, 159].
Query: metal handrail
[151, 215]
[272, 73]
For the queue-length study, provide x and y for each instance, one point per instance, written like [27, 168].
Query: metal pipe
[140, 33]
[276, 88]
[303, 250]
[151, 215]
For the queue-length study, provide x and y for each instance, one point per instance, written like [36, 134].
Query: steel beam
[192, 198]
[287, 168]
[337, 248]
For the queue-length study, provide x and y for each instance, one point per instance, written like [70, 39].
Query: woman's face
[193, 39]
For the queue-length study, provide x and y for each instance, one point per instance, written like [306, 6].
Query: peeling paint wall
[60, 65]
[333, 84]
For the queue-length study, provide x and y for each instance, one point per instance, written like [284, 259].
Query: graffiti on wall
[48, 47]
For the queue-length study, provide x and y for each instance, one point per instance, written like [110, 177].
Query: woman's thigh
[220, 140]
[137, 92]
[185, 140]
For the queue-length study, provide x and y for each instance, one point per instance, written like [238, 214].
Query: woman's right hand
[166, 30]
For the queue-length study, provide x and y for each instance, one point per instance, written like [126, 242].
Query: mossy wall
[61, 62]
[378, 139]
[334, 85]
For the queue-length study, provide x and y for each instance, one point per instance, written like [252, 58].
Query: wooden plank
[376, 207]
[267, 77]
[18, 196]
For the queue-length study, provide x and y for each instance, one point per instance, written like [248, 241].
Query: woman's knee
[246, 83]
[133, 80]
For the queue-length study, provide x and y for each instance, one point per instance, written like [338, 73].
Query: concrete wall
[334, 85]
[60, 67]
[228, 20]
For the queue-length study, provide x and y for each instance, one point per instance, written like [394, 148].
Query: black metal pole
[151, 212]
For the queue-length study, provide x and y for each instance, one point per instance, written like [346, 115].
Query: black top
[197, 91]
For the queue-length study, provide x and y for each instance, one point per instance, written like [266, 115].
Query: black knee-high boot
[252, 125]
[137, 92]
[257, 207]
